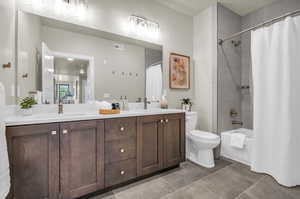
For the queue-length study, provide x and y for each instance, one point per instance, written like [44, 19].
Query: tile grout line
[254, 184]
[240, 193]
[200, 180]
[115, 196]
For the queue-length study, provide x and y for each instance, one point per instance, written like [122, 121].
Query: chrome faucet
[60, 108]
[146, 102]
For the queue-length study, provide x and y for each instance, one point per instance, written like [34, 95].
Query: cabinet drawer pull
[65, 131]
[122, 129]
[53, 132]
[122, 172]
[122, 150]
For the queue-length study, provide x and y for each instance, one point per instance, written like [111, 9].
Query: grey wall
[107, 60]
[274, 10]
[229, 69]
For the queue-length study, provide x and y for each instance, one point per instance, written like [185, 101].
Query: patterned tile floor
[226, 181]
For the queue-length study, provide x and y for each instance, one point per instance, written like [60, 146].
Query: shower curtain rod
[269, 22]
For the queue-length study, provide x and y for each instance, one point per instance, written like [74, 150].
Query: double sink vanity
[72, 155]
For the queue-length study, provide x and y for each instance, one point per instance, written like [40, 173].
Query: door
[150, 144]
[34, 160]
[7, 68]
[47, 74]
[82, 158]
[174, 139]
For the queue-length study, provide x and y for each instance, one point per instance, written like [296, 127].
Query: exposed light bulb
[143, 27]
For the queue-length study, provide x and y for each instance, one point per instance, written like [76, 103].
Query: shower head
[236, 43]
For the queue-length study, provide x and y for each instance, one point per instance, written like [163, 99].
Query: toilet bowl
[199, 144]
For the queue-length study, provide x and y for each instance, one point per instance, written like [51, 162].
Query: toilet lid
[204, 135]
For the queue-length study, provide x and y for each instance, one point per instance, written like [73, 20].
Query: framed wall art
[179, 71]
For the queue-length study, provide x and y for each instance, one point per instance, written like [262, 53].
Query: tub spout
[237, 122]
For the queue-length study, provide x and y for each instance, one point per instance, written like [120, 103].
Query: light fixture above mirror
[142, 26]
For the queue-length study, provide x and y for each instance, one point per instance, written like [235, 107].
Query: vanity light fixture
[70, 59]
[143, 26]
[71, 8]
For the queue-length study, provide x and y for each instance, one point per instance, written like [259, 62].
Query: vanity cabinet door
[34, 161]
[82, 158]
[150, 144]
[174, 139]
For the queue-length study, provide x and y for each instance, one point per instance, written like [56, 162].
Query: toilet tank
[191, 121]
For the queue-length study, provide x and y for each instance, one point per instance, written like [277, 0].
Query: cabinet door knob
[122, 129]
[53, 132]
[167, 120]
[122, 150]
[65, 131]
[122, 172]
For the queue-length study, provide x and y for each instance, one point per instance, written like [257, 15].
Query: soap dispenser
[125, 103]
[121, 103]
[164, 101]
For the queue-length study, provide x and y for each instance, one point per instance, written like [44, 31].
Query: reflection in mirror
[70, 80]
[67, 78]
[62, 62]
[154, 79]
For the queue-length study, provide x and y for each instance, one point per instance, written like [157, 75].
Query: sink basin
[74, 114]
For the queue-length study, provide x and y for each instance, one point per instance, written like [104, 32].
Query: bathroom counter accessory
[109, 112]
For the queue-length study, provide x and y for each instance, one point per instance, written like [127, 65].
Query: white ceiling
[192, 7]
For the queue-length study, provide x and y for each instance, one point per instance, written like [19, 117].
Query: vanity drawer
[118, 150]
[120, 128]
[119, 172]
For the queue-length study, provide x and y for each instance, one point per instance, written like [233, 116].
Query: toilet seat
[204, 136]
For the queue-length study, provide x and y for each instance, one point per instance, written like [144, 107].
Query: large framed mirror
[59, 62]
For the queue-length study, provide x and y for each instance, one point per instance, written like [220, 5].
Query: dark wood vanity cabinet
[34, 161]
[161, 142]
[120, 150]
[150, 144]
[82, 158]
[174, 140]
[72, 159]
[51, 161]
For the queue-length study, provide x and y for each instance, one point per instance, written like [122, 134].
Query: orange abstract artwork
[179, 71]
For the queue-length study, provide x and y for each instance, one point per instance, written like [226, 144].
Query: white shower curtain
[154, 82]
[276, 77]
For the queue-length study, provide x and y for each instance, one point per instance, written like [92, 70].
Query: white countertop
[68, 117]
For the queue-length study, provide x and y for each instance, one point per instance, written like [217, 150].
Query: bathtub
[239, 155]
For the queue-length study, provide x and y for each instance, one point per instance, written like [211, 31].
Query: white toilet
[199, 144]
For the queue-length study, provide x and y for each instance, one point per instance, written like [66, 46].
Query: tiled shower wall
[238, 61]
[229, 69]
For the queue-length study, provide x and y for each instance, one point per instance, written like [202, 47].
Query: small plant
[27, 103]
[186, 101]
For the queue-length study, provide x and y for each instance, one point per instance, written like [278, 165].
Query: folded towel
[4, 184]
[237, 140]
[4, 164]
[103, 105]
